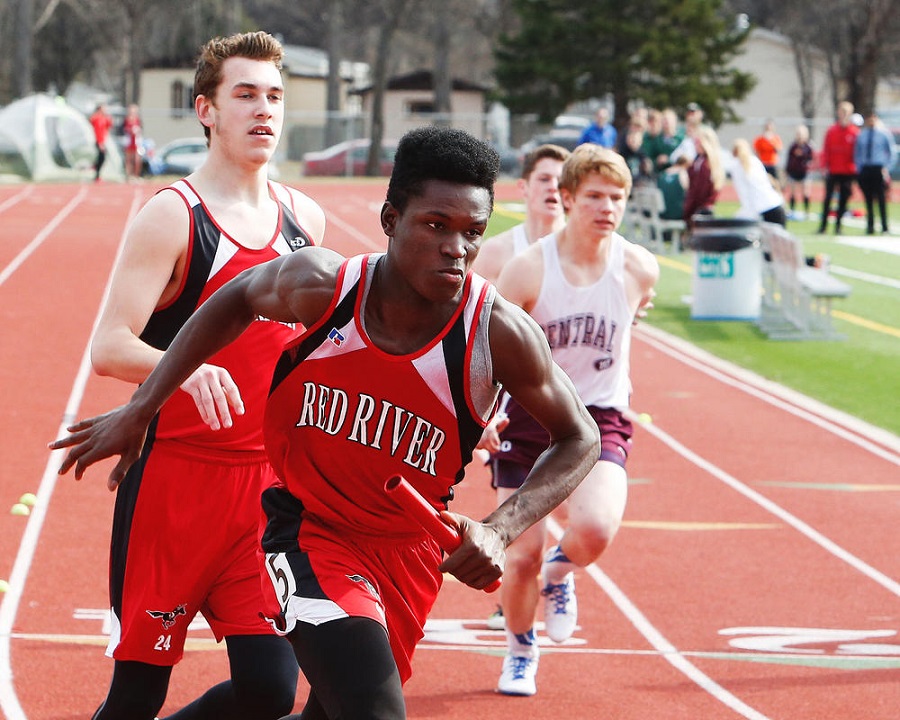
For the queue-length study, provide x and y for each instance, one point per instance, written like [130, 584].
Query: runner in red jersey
[398, 373]
[187, 517]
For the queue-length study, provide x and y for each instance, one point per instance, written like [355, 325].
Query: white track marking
[42, 235]
[875, 440]
[775, 395]
[357, 235]
[660, 644]
[809, 532]
[9, 701]
[15, 199]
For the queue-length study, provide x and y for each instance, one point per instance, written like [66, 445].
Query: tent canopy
[42, 138]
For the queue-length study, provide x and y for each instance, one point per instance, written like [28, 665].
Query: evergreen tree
[658, 52]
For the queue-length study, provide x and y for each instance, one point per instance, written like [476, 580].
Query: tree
[859, 38]
[65, 41]
[443, 77]
[390, 13]
[333, 130]
[657, 52]
[24, 48]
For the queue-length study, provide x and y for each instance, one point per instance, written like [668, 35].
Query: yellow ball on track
[645, 418]
[20, 509]
[28, 499]
[4, 586]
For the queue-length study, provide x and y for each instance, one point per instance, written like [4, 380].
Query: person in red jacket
[101, 122]
[837, 161]
[768, 148]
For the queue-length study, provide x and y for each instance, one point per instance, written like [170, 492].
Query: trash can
[727, 268]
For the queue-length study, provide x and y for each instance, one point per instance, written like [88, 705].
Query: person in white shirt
[584, 284]
[755, 188]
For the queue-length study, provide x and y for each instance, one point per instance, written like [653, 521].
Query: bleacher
[797, 298]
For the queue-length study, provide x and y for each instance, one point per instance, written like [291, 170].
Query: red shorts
[185, 540]
[322, 574]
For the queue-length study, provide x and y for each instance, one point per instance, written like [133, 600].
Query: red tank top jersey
[344, 416]
[213, 259]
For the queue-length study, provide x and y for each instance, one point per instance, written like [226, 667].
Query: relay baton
[407, 497]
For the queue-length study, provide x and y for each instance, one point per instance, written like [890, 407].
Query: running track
[756, 575]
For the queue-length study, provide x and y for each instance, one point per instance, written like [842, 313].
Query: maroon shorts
[192, 528]
[523, 440]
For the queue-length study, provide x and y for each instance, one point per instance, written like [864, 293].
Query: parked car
[575, 123]
[568, 139]
[179, 157]
[348, 158]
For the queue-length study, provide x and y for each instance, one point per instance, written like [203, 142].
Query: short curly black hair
[440, 153]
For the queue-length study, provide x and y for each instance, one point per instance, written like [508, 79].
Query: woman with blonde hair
[754, 186]
[706, 175]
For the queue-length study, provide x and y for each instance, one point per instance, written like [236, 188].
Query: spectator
[755, 187]
[837, 161]
[768, 148]
[600, 132]
[673, 182]
[799, 161]
[101, 122]
[631, 148]
[874, 155]
[660, 145]
[133, 142]
[706, 175]
[687, 148]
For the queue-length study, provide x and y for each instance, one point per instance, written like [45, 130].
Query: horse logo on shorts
[168, 617]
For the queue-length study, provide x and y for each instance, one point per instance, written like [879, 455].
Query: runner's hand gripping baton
[407, 497]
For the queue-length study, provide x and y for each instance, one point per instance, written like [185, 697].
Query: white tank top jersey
[589, 327]
[520, 239]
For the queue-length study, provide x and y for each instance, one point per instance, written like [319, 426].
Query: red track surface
[756, 575]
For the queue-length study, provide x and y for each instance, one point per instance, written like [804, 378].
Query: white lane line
[9, 701]
[866, 277]
[808, 531]
[844, 426]
[875, 440]
[42, 235]
[657, 640]
[802, 407]
[17, 198]
[356, 234]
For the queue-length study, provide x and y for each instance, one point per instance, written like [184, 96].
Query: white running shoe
[560, 607]
[518, 675]
[496, 621]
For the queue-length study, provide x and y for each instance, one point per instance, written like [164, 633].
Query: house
[167, 108]
[769, 56]
[409, 103]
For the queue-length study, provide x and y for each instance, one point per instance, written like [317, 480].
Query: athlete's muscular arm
[294, 288]
[522, 363]
[147, 275]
